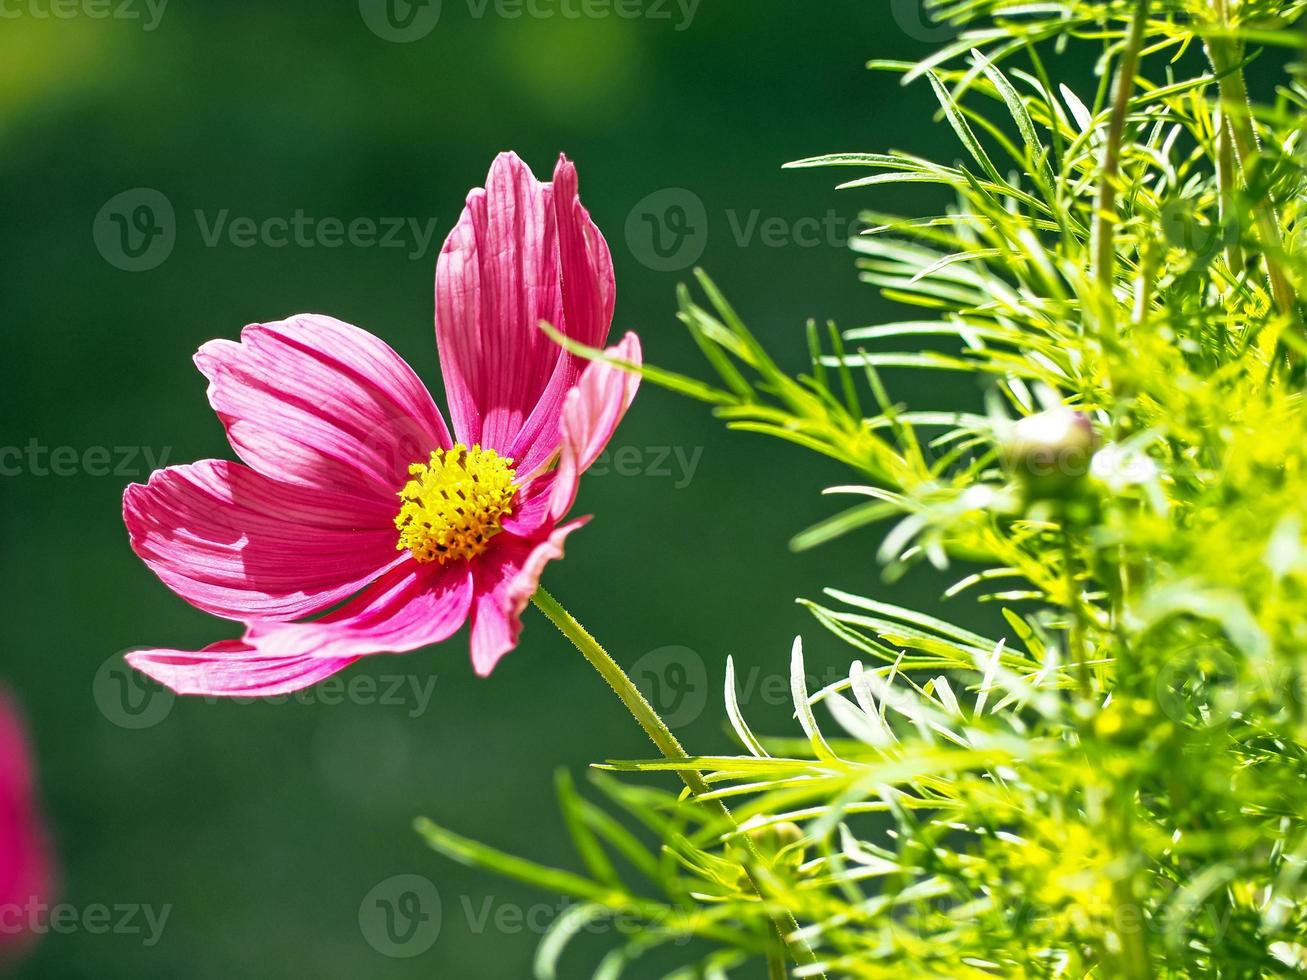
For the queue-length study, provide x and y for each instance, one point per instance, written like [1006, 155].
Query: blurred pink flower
[26, 876]
[353, 488]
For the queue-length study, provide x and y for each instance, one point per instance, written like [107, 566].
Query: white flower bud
[1050, 452]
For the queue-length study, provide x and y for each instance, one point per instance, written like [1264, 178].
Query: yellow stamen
[454, 504]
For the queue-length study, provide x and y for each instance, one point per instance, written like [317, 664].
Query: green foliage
[1117, 787]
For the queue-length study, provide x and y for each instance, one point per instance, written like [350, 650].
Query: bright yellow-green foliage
[454, 503]
[1116, 787]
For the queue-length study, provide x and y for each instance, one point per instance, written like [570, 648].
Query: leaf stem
[782, 919]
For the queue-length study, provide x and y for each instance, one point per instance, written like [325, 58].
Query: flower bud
[1049, 452]
[773, 838]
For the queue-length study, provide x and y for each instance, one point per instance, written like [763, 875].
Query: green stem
[1076, 631]
[1105, 210]
[622, 685]
[1229, 211]
[1136, 961]
[1237, 115]
[782, 919]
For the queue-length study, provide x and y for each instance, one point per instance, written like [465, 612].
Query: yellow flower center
[454, 503]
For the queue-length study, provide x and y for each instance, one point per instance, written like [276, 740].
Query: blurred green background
[263, 830]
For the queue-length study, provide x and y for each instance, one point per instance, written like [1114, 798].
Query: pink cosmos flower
[25, 868]
[355, 498]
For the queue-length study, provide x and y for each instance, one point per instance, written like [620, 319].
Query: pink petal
[26, 872]
[589, 293]
[591, 415]
[505, 579]
[241, 546]
[233, 668]
[320, 403]
[412, 606]
[531, 510]
[523, 251]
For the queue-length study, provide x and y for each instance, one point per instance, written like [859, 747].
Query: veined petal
[412, 606]
[241, 546]
[592, 412]
[505, 578]
[233, 668]
[522, 252]
[497, 276]
[589, 293]
[317, 402]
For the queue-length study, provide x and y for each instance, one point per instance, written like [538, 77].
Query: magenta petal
[589, 293]
[412, 606]
[26, 872]
[589, 285]
[591, 415]
[233, 668]
[496, 278]
[501, 272]
[241, 546]
[317, 402]
[531, 510]
[505, 579]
